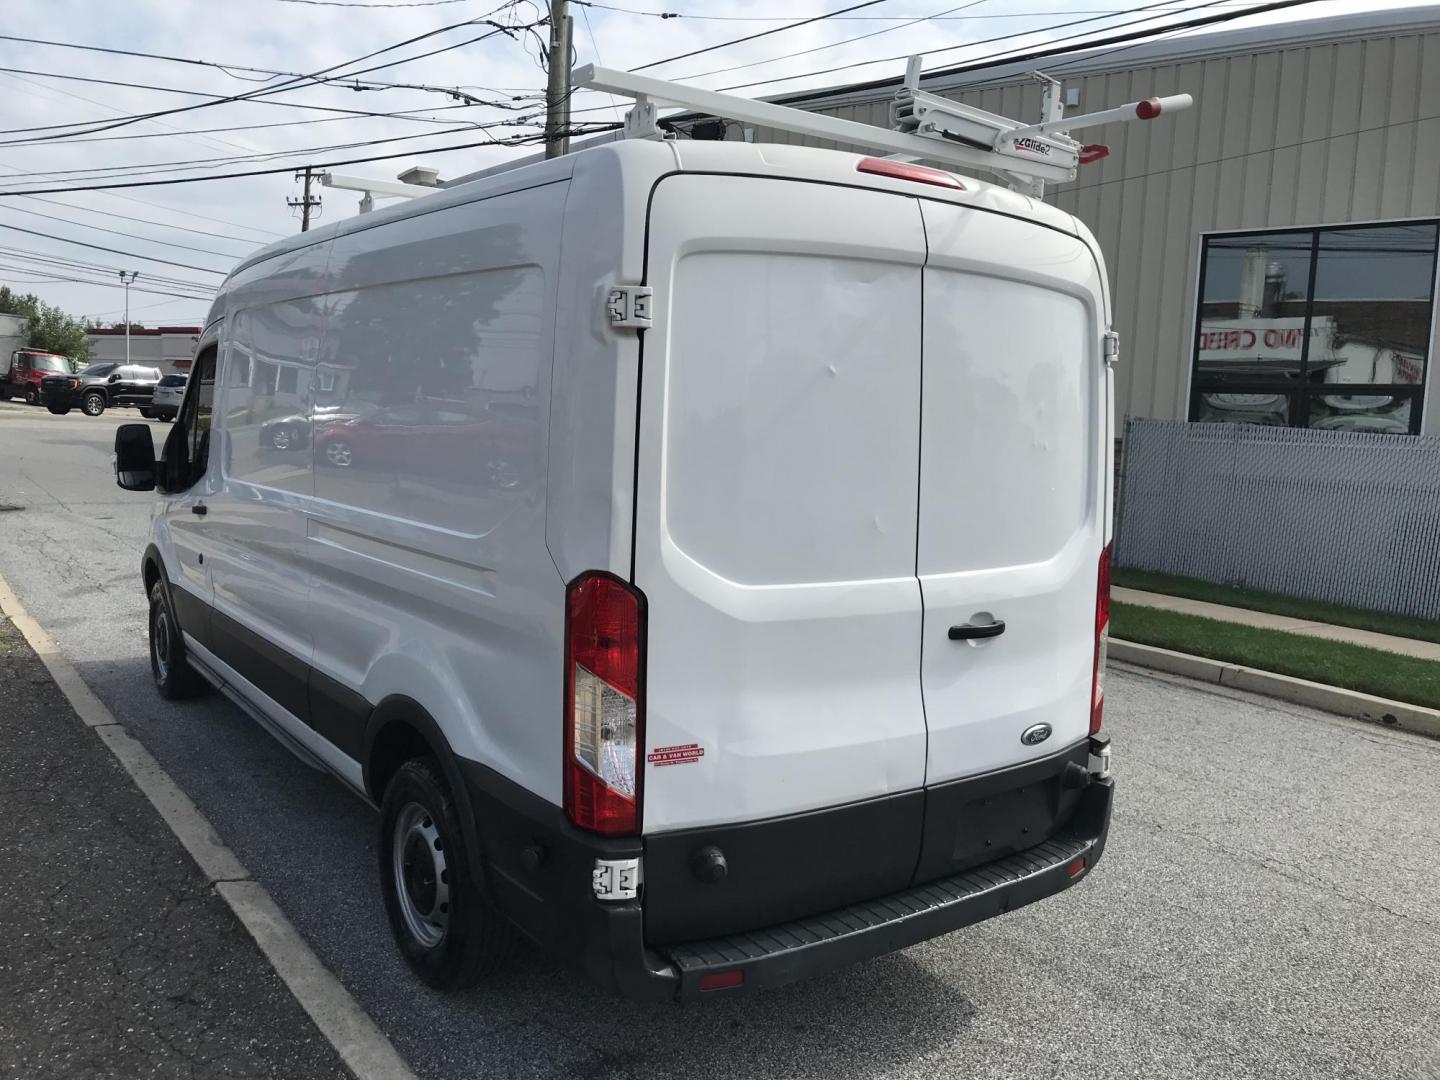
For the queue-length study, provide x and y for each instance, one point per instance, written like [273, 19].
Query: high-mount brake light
[604, 704]
[1102, 640]
[904, 170]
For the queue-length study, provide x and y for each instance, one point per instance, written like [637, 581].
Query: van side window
[187, 450]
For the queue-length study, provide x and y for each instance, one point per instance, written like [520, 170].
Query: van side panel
[775, 537]
[426, 536]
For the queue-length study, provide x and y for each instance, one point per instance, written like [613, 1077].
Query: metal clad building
[1318, 123]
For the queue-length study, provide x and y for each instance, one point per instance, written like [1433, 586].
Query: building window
[1323, 328]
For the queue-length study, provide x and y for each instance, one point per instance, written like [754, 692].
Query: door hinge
[616, 879]
[628, 306]
[1112, 348]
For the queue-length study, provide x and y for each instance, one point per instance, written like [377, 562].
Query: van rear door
[776, 521]
[1012, 499]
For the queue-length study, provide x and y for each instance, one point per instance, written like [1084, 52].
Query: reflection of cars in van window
[699, 672]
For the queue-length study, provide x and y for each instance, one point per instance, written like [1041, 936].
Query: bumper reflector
[1077, 868]
[722, 980]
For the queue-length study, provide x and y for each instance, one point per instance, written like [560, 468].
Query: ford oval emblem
[1035, 734]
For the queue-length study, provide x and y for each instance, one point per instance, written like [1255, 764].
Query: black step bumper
[538, 870]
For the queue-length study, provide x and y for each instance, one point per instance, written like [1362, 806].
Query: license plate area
[980, 819]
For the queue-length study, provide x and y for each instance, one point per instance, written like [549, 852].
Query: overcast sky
[208, 225]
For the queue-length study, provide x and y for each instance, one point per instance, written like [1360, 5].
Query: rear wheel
[32, 396]
[59, 410]
[93, 403]
[448, 932]
[282, 438]
[174, 677]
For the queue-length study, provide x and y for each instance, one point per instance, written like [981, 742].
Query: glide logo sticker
[1035, 146]
[675, 755]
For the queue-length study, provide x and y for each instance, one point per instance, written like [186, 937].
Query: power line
[833, 44]
[113, 251]
[352, 4]
[311, 79]
[81, 266]
[518, 140]
[146, 221]
[403, 114]
[992, 61]
[760, 34]
[117, 232]
[228, 69]
[108, 285]
[211, 99]
[837, 18]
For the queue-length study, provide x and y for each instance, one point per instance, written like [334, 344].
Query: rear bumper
[538, 871]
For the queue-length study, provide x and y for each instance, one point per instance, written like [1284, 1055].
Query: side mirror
[134, 457]
[114, 378]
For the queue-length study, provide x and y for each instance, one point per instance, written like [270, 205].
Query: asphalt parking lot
[1267, 906]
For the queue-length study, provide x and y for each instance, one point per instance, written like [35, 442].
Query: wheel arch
[400, 729]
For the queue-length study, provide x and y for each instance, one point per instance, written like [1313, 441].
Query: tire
[59, 410]
[93, 403]
[339, 454]
[449, 933]
[148, 413]
[282, 438]
[173, 675]
[32, 396]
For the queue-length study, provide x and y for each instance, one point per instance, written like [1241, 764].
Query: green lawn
[1311, 610]
[1402, 678]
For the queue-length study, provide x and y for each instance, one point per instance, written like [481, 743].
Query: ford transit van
[698, 553]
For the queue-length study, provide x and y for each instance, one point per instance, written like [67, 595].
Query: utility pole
[557, 90]
[306, 202]
[127, 282]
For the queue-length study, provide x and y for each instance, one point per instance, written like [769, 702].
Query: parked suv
[99, 387]
[27, 369]
[169, 392]
[777, 652]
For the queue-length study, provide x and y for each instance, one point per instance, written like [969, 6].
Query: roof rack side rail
[923, 126]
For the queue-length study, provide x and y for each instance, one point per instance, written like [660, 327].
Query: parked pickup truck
[98, 387]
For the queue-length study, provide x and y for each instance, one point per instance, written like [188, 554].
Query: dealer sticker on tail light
[676, 755]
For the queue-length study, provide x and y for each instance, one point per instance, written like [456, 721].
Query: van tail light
[604, 704]
[1102, 640]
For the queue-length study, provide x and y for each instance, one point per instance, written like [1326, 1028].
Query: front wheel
[59, 410]
[339, 454]
[32, 396]
[447, 931]
[171, 670]
[147, 412]
[93, 403]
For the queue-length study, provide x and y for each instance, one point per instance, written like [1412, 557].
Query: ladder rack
[923, 126]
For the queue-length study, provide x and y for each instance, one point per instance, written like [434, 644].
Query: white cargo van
[697, 551]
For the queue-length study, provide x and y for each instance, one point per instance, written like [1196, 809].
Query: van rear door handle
[971, 631]
[199, 508]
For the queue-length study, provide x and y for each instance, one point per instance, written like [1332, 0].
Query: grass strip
[1401, 678]
[1381, 622]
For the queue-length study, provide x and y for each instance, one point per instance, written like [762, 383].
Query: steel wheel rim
[160, 643]
[280, 439]
[422, 875]
[338, 454]
[94, 406]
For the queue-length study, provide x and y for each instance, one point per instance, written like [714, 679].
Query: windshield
[55, 365]
[98, 369]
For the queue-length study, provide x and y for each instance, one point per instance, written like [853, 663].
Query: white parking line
[361, 1045]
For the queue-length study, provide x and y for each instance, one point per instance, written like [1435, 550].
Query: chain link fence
[1348, 517]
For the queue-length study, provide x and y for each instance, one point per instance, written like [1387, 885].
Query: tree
[49, 328]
